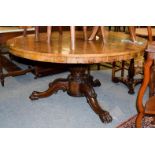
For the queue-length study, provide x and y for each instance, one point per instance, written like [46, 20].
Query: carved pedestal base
[79, 83]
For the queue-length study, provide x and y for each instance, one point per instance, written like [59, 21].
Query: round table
[116, 47]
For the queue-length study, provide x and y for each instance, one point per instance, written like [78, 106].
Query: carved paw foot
[34, 95]
[105, 117]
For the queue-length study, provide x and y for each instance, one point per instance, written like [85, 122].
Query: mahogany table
[79, 82]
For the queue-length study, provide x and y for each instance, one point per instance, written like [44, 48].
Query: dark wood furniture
[79, 82]
[5, 63]
[130, 81]
[149, 77]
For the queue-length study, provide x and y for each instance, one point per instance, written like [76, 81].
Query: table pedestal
[79, 83]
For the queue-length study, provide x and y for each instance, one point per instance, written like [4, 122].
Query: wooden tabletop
[117, 47]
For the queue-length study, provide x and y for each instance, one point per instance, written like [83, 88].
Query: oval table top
[117, 46]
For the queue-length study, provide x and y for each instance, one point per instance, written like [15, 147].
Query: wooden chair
[149, 33]
[49, 30]
[149, 77]
[72, 29]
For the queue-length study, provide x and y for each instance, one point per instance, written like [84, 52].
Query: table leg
[58, 84]
[79, 84]
[1, 72]
[91, 97]
[129, 81]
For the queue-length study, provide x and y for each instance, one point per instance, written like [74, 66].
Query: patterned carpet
[130, 123]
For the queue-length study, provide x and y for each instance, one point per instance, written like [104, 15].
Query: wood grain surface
[117, 46]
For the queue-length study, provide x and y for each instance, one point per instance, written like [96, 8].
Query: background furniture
[149, 33]
[133, 67]
[5, 63]
[149, 77]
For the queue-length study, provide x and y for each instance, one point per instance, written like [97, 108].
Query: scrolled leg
[91, 96]
[59, 84]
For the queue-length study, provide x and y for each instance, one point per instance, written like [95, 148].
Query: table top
[117, 46]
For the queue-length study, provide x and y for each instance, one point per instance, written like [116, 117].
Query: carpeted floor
[61, 110]
[130, 123]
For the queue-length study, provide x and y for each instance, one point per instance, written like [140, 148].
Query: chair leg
[60, 29]
[1, 72]
[72, 29]
[152, 82]
[113, 71]
[49, 28]
[122, 69]
[37, 33]
[95, 30]
[25, 31]
[103, 32]
[85, 32]
[139, 120]
[132, 33]
[131, 73]
[98, 66]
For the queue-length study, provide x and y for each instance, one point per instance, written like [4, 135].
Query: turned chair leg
[1, 72]
[85, 32]
[72, 29]
[122, 69]
[60, 29]
[37, 33]
[132, 33]
[95, 30]
[152, 82]
[113, 71]
[49, 28]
